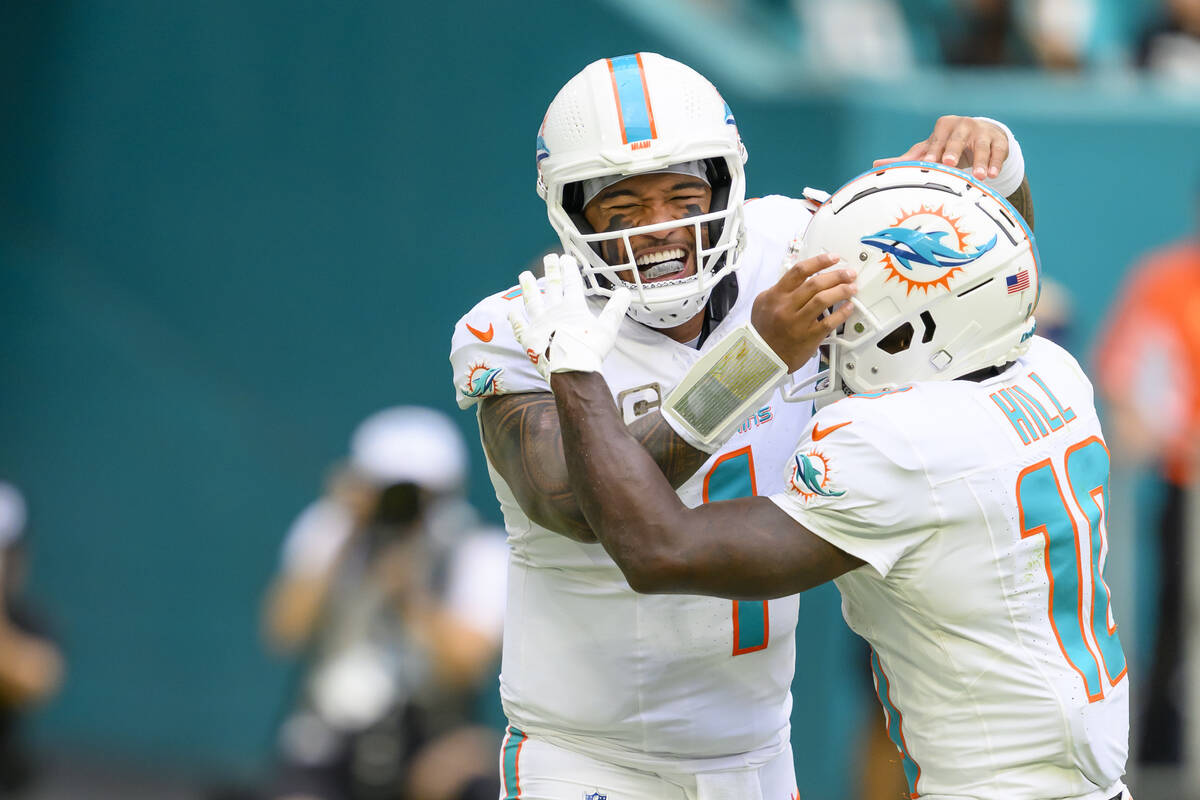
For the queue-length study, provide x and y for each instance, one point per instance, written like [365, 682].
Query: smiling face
[646, 200]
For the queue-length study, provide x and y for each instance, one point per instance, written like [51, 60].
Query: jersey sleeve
[855, 481]
[486, 358]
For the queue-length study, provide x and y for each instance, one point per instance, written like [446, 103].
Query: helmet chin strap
[723, 296]
[715, 306]
[660, 318]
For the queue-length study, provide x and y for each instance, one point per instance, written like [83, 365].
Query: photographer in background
[394, 594]
[31, 667]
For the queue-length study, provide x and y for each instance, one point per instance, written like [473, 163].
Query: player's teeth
[666, 255]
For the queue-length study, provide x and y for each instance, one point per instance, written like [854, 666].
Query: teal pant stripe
[512, 750]
[895, 723]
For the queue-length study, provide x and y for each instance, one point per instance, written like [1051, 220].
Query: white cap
[12, 514]
[410, 444]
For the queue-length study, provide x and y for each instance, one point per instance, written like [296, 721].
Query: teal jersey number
[1044, 511]
[733, 476]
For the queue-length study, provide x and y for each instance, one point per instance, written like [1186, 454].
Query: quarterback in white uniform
[958, 497]
[627, 677]
[607, 691]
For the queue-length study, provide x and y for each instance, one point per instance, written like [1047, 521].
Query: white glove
[558, 329]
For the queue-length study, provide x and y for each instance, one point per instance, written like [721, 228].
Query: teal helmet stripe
[633, 104]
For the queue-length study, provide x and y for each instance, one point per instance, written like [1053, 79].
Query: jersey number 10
[732, 476]
[1080, 605]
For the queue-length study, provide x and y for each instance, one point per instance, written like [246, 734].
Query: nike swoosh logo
[819, 434]
[483, 336]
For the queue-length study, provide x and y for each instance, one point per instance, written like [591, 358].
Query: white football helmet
[635, 114]
[948, 279]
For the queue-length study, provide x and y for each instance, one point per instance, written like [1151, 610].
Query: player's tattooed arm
[743, 549]
[1022, 201]
[524, 443]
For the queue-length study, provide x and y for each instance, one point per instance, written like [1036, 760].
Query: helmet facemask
[716, 239]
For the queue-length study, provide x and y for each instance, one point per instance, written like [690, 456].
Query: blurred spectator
[31, 667]
[1060, 35]
[1148, 363]
[983, 33]
[396, 595]
[1170, 47]
[1055, 314]
[867, 38]
[1069, 34]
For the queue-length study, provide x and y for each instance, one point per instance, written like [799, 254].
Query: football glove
[558, 329]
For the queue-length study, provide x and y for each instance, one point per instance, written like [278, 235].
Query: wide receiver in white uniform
[959, 498]
[609, 692]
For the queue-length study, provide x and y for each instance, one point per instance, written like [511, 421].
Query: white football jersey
[981, 510]
[644, 679]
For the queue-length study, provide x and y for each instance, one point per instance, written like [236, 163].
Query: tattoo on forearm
[676, 458]
[1022, 201]
[524, 441]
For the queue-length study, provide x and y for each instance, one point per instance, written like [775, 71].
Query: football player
[958, 496]
[609, 692]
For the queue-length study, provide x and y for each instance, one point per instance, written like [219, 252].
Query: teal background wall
[228, 231]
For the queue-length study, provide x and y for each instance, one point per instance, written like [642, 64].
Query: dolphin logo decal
[485, 382]
[909, 245]
[812, 479]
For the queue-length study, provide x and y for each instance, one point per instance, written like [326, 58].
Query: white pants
[531, 769]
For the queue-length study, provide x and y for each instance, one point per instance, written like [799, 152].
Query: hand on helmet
[788, 315]
[968, 143]
[558, 329]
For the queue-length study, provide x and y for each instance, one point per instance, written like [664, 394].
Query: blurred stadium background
[230, 230]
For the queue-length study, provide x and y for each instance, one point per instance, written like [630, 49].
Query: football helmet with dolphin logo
[948, 280]
[637, 114]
